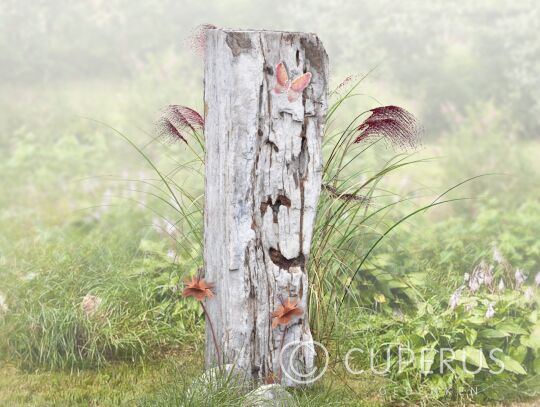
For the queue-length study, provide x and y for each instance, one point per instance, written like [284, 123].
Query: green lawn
[164, 384]
[161, 383]
[118, 384]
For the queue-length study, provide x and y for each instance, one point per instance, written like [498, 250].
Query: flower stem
[218, 353]
[280, 376]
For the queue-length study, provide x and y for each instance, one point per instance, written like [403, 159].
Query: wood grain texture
[263, 178]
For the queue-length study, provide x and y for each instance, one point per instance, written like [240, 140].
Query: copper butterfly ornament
[293, 88]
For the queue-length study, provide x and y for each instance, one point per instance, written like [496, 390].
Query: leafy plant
[88, 298]
[479, 344]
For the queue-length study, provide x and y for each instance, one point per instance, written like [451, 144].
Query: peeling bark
[263, 180]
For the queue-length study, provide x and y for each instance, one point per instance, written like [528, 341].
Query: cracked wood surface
[263, 180]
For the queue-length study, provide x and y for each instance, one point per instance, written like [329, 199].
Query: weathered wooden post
[263, 178]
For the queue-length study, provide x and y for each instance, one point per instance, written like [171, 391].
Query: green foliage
[447, 249]
[438, 261]
[453, 354]
[138, 315]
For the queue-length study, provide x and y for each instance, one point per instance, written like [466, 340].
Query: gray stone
[269, 395]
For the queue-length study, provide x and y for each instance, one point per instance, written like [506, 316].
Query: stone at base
[269, 395]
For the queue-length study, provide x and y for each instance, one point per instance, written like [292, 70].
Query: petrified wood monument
[263, 136]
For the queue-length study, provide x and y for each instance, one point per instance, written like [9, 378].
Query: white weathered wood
[263, 178]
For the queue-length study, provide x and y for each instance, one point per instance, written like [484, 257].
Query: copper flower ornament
[285, 312]
[198, 288]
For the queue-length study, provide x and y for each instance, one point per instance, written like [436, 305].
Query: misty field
[101, 219]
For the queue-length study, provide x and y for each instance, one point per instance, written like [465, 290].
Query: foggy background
[442, 57]
[470, 71]
[84, 216]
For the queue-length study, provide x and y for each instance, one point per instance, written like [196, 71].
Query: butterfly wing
[282, 78]
[298, 85]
